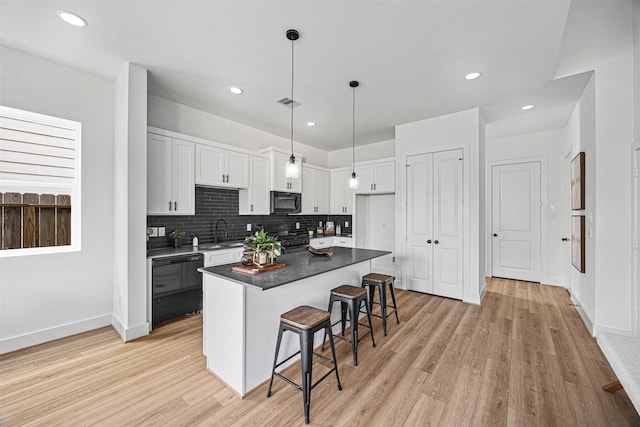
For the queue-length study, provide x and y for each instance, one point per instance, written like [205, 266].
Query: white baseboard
[129, 334]
[582, 313]
[38, 337]
[598, 329]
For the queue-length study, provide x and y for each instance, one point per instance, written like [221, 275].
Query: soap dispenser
[195, 241]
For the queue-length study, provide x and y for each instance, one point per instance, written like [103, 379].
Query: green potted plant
[263, 244]
[310, 230]
[176, 235]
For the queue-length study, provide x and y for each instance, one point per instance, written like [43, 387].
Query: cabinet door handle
[169, 205]
[251, 208]
[227, 178]
[175, 206]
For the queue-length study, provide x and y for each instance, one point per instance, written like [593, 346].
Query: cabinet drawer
[346, 242]
[223, 256]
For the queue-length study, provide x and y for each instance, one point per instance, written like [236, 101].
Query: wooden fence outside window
[35, 220]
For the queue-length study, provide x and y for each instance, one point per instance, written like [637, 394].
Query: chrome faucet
[226, 230]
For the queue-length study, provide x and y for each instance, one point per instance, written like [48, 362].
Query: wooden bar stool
[305, 321]
[381, 281]
[350, 298]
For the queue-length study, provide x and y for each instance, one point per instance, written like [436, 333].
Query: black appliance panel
[282, 202]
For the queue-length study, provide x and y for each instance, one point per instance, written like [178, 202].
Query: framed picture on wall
[578, 242]
[577, 182]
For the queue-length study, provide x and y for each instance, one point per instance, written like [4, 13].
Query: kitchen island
[241, 312]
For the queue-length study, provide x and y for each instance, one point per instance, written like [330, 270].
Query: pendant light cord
[353, 133]
[292, 101]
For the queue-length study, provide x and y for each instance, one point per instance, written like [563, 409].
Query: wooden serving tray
[252, 269]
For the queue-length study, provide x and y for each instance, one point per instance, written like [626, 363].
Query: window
[39, 183]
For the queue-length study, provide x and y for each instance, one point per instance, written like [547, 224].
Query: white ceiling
[409, 56]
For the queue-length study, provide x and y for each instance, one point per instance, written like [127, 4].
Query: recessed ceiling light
[72, 18]
[472, 76]
[527, 107]
[311, 124]
[235, 90]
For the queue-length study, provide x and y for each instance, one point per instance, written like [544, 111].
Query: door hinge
[635, 172]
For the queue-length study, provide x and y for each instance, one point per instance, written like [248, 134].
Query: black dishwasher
[176, 286]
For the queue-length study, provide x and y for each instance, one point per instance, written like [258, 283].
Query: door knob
[565, 239]
[495, 235]
[429, 241]
[436, 242]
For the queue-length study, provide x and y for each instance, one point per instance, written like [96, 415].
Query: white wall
[375, 151]
[547, 145]
[375, 229]
[45, 297]
[613, 123]
[130, 207]
[580, 135]
[180, 118]
[458, 130]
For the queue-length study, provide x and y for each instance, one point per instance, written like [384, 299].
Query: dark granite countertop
[300, 264]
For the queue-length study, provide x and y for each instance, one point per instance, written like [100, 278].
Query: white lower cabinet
[326, 242]
[222, 256]
[345, 242]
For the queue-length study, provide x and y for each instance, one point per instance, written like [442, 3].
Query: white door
[434, 223]
[515, 206]
[419, 251]
[447, 224]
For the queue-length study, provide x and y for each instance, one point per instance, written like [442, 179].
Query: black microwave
[282, 202]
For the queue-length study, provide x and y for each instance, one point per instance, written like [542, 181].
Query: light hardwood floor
[523, 358]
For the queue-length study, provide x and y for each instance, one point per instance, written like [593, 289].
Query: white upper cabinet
[341, 194]
[170, 176]
[279, 180]
[315, 190]
[218, 167]
[255, 200]
[376, 177]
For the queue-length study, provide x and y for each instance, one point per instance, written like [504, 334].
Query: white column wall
[45, 297]
[130, 207]
[458, 130]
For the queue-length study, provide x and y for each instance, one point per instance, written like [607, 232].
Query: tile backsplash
[215, 203]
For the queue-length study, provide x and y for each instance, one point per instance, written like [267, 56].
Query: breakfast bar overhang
[241, 311]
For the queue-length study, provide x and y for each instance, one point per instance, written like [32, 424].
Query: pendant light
[293, 169]
[353, 182]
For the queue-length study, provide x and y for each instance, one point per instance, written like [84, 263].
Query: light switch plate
[160, 231]
[346, 224]
[297, 226]
[248, 227]
[154, 231]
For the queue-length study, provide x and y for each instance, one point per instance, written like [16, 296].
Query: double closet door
[434, 223]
